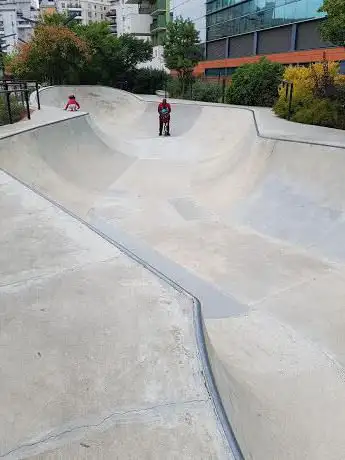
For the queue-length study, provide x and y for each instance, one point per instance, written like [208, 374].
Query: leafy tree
[56, 19]
[182, 49]
[75, 53]
[255, 84]
[333, 28]
[112, 57]
[134, 51]
[54, 54]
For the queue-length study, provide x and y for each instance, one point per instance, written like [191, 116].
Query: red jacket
[72, 102]
[162, 106]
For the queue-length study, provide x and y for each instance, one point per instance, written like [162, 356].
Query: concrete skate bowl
[256, 224]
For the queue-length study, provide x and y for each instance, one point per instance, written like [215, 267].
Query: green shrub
[174, 88]
[255, 84]
[207, 91]
[321, 112]
[148, 81]
[313, 102]
[17, 110]
[300, 100]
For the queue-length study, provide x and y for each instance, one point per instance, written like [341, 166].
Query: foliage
[57, 19]
[73, 54]
[16, 110]
[322, 112]
[318, 97]
[133, 51]
[333, 28]
[112, 57]
[255, 84]
[147, 81]
[207, 91]
[174, 87]
[182, 49]
[105, 63]
[54, 53]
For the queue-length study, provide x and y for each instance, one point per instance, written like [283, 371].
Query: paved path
[245, 218]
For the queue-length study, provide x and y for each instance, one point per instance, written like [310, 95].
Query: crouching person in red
[72, 104]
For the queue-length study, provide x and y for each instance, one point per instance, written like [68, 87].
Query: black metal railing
[288, 86]
[15, 96]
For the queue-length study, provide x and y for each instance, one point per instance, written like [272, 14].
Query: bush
[321, 112]
[16, 110]
[207, 91]
[148, 81]
[255, 84]
[174, 88]
[318, 97]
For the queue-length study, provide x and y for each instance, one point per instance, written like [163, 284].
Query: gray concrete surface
[98, 356]
[252, 221]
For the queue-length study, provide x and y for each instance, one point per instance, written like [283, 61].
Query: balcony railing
[145, 9]
[73, 6]
[158, 23]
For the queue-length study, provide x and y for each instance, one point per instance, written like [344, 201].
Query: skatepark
[175, 297]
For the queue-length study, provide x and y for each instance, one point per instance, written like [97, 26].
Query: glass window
[253, 15]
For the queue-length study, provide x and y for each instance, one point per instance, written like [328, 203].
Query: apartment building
[86, 11]
[144, 20]
[16, 22]
[112, 17]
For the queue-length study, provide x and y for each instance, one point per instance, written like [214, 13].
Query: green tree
[54, 54]
[182, 49]
[333, 28]
[112, 57]
[255, 84]
[134, 51]
[55, 19]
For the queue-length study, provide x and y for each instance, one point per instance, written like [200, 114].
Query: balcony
[111, 14]
[158, 7]
[73, 7]
[158, 24]
[145, 8]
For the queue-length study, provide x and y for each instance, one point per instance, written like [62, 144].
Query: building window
[89, 14]
[230, 17]
[63, 5]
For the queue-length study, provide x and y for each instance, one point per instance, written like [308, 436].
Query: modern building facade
[86, 11]
[239, 31]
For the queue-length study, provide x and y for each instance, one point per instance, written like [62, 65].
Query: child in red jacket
[72, 104]
[164, 110]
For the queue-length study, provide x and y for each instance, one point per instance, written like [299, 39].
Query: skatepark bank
[250, 225]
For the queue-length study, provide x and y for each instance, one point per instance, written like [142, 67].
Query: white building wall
[88, 11]
[8, 26]
[13, 20]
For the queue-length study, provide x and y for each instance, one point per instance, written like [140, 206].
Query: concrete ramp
[252, 226]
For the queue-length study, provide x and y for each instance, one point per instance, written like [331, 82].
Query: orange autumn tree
[55, 54]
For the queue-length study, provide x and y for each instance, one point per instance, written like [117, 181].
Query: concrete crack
[101, 422]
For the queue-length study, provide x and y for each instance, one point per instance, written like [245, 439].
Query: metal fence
[15, 95]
